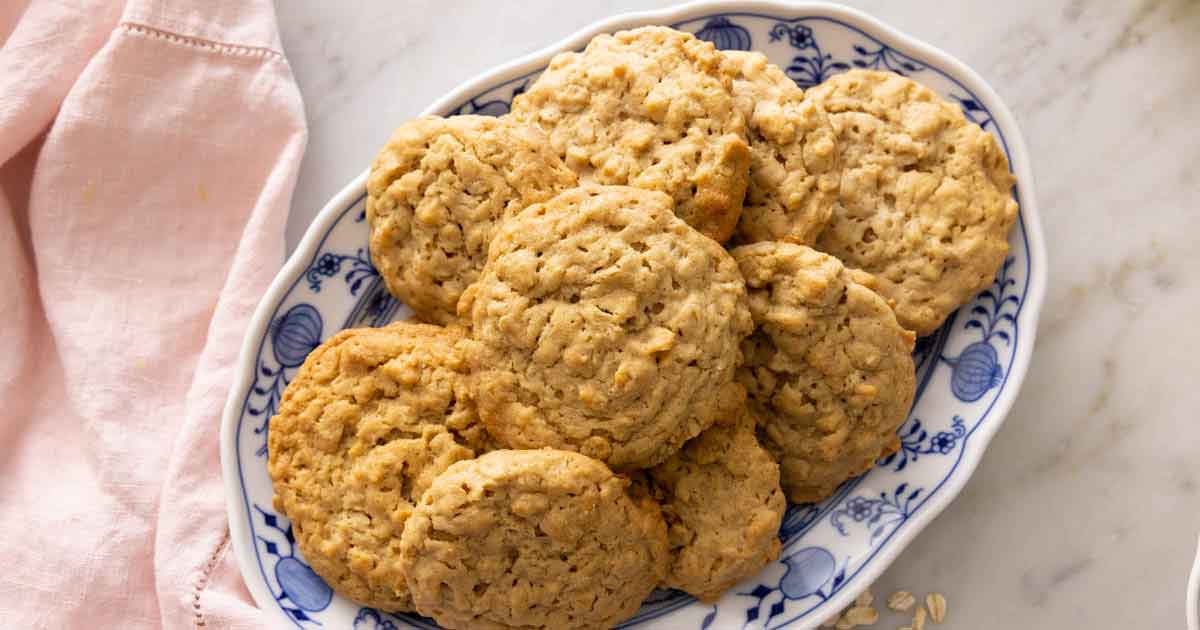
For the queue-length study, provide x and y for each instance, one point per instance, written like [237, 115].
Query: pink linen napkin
[148, 154]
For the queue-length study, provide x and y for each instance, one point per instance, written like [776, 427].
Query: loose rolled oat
[861, 616]
[901, 601]
[936, 602]
[919, 619]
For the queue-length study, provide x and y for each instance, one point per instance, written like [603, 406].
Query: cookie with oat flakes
[925, 201]
[372, 416]
[652, 108]
[723, 505]
[532, 539]
[604, 324]
[793, 157]
[435, 194]
[828, 370]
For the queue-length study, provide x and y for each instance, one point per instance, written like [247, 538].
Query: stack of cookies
[665, 292]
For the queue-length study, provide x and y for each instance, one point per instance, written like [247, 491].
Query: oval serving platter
[968, 373]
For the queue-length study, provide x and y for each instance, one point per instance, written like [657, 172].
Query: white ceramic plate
[968, 373]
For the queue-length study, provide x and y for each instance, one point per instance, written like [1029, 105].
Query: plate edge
[308, 244]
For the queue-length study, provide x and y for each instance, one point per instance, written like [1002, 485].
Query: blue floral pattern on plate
[298, 590]
[977, 368]
[293, 336]
[961, 371]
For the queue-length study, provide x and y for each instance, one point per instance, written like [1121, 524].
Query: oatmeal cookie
[793, 157]
[649, 107]
[925, 202]
[372, 416]
[435, 194]
[532, 539]
[604, 324]
[723, 505]
[828, 370]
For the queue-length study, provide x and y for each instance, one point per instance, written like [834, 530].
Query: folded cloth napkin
[148, 152]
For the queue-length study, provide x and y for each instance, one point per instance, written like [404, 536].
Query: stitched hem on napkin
[224, 48]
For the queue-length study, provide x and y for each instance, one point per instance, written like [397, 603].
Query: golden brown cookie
[828, 370]
[793, 156]
[373, 415]
[723, 505]
[925, 201]
[649, 107]
[532, 539]
[436, 192]
[604, 324]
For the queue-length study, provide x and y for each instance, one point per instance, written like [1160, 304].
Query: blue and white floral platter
[968, 373]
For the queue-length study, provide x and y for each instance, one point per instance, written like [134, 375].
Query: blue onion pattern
[303, 586]
[300, 590]
[807, 571]
[977, 368]
[725, 35]
[811, 572]
[295, 335]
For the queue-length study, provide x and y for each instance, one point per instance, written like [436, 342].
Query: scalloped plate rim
[1030, 218]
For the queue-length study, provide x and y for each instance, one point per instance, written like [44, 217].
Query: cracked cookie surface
[925, 202]
[372, 416]
[532, 539]
[723, 505]
[604, 324]
[793, 157]
[649, 107]
[435, 194]
[828, 370]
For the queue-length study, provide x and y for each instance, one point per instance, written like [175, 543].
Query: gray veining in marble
[1084, 511]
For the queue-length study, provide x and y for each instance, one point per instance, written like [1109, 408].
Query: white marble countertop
[1085, 509]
